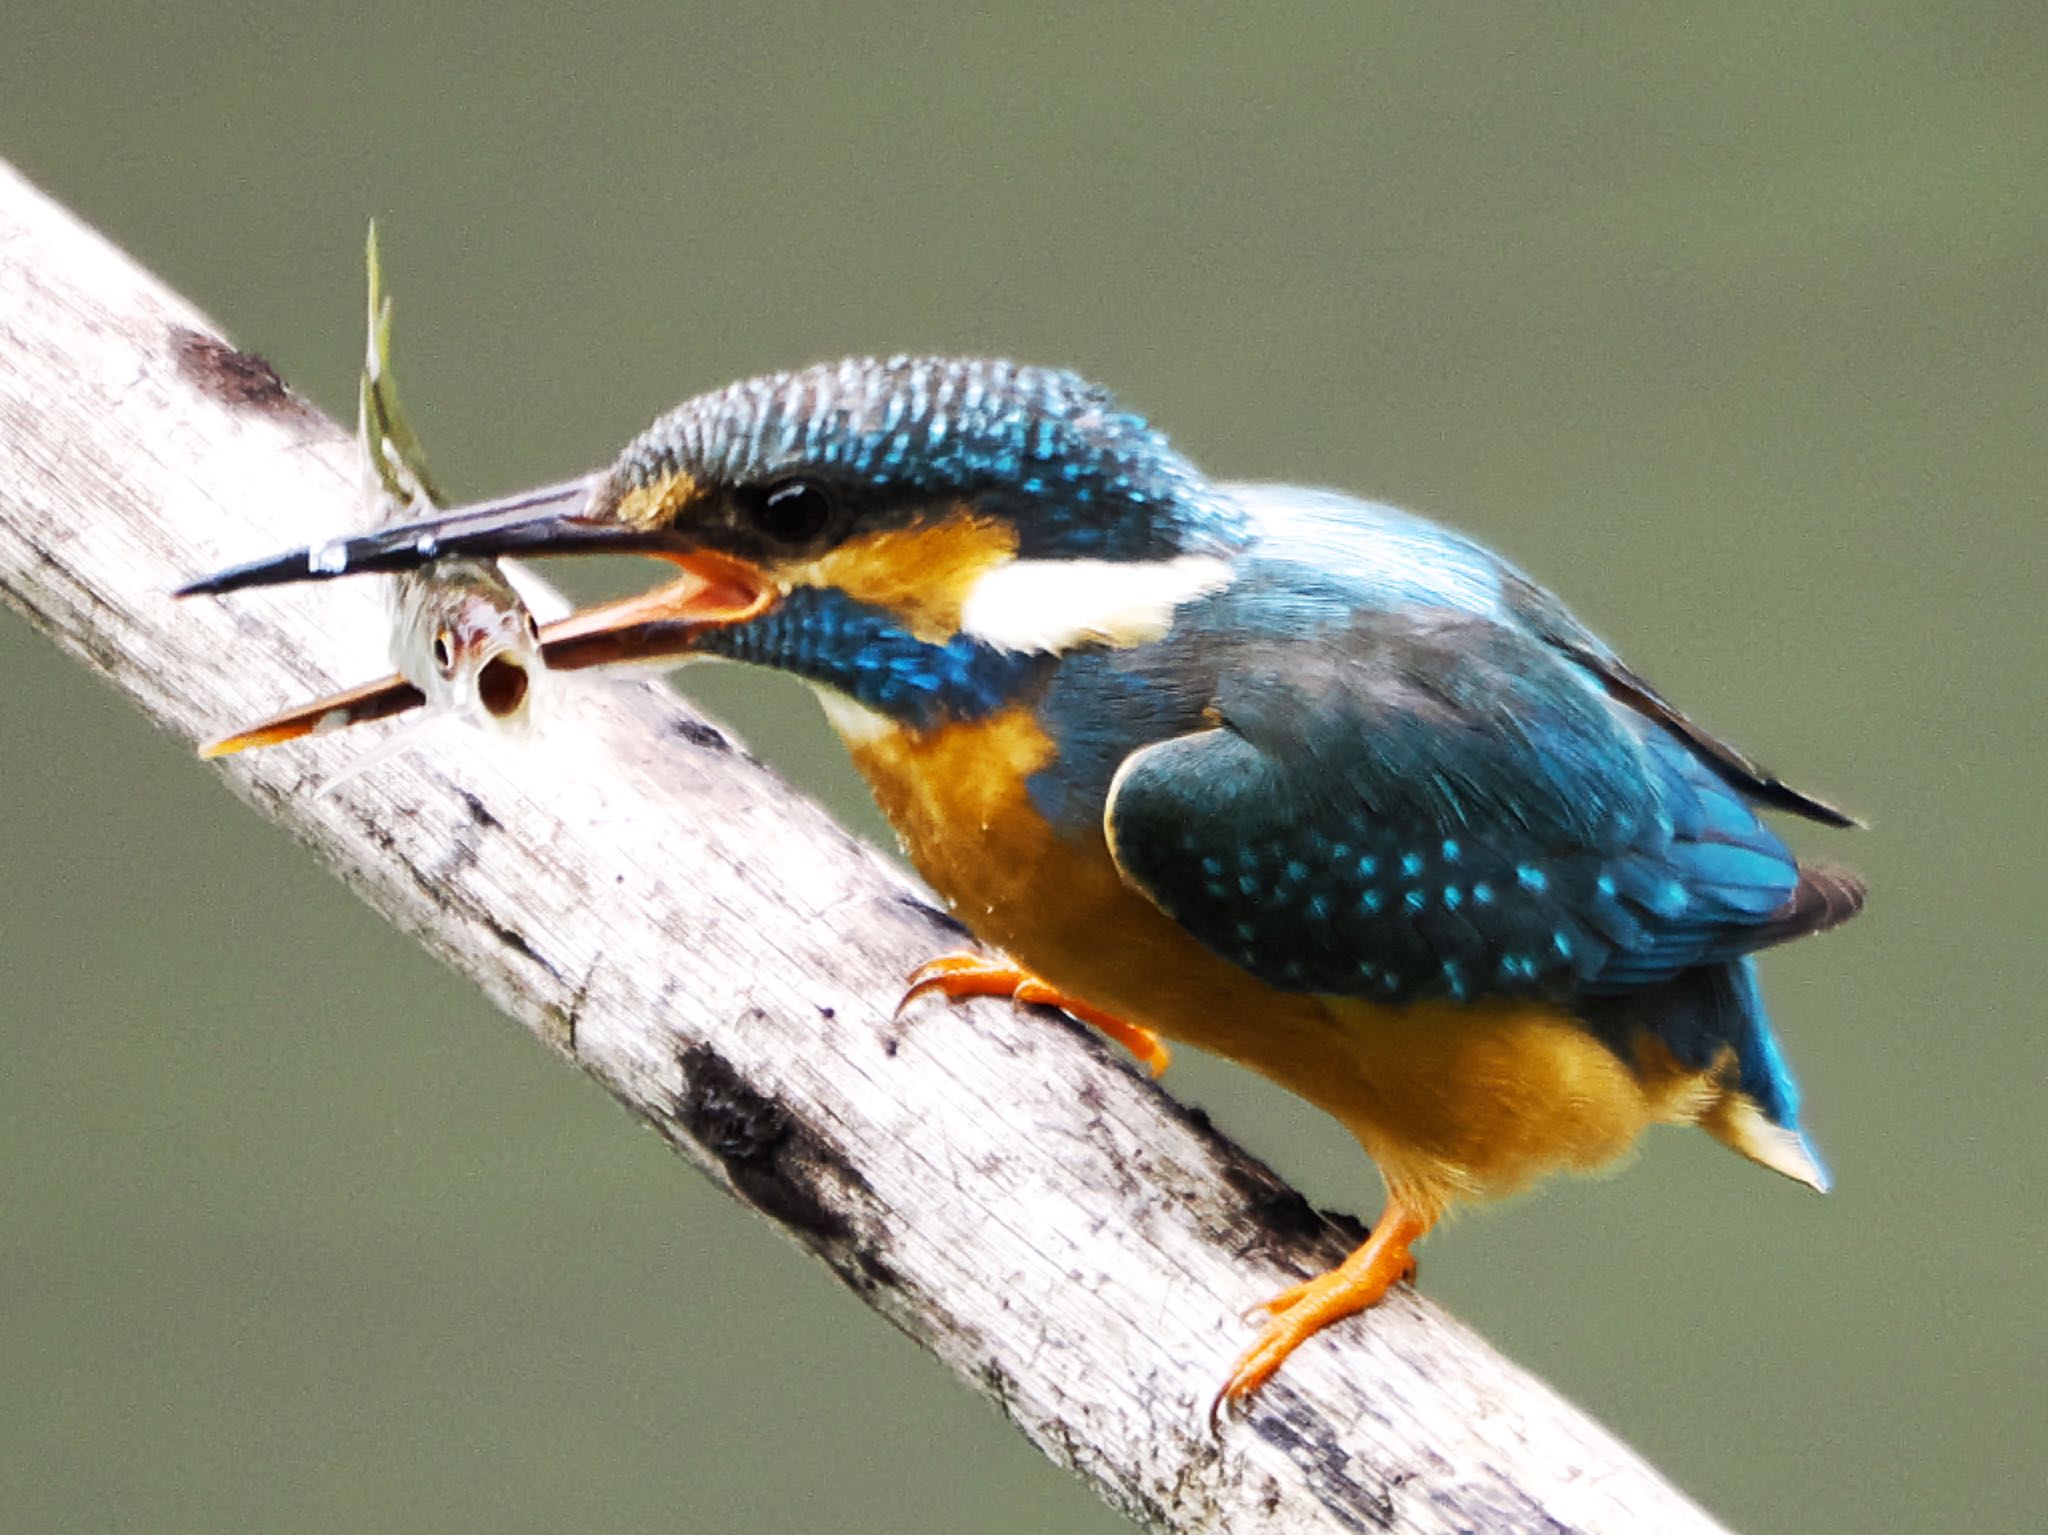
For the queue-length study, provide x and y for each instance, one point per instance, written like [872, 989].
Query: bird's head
[902, 530]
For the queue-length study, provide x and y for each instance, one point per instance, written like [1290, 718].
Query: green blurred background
[1728, 322]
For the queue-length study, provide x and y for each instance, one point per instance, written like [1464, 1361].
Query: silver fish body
[460, 631]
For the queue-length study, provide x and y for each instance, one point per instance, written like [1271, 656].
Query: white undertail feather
[1741, 1125]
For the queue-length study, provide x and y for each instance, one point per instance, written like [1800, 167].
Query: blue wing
[1436, 802]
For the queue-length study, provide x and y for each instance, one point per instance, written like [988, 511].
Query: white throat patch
[1054, 605]
[857, 724]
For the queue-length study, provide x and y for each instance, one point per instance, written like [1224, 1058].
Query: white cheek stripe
[1054, 605]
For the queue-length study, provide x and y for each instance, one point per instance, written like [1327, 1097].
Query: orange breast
[1451, 1101]
[958, 800]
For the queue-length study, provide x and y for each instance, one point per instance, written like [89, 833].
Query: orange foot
[1301, 1311]
[976, 975]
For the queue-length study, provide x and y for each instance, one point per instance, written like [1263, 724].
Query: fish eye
[444, 652]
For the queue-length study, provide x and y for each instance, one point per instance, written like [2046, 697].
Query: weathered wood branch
[712, 948]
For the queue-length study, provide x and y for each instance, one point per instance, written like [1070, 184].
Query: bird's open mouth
[710, 591]
[666, 623]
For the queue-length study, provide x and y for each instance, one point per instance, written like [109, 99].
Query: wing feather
[1437, 805]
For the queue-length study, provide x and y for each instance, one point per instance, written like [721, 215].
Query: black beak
[550, 520]
[711, 590]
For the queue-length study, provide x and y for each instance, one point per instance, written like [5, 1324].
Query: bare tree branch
[720, 955]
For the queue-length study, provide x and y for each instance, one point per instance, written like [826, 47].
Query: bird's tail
[1715, 1014]
[1758, 1113]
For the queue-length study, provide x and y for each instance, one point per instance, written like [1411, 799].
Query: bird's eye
[790, 511]
[444, 652]
[532, 629]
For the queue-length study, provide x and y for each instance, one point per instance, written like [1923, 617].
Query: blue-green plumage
[1379, 763]
[1382, 764]
[864, 652]
[1376, 761]
[1303, 779]
[1078, 477]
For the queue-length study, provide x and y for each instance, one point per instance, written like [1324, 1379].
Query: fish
[465, 643]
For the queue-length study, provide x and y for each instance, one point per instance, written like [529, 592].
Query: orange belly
[1451, 1101]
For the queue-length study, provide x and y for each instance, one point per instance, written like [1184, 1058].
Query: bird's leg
[1301, 1311]
[976, 975]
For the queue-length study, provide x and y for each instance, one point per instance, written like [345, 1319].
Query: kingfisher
[1289, 776]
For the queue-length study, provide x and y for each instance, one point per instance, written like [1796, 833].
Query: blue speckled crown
[1101, 482]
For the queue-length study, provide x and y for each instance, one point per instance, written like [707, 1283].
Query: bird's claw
[1302, 1310]
[976, 975]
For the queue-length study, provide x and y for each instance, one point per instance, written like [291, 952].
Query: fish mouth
[503, 685]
